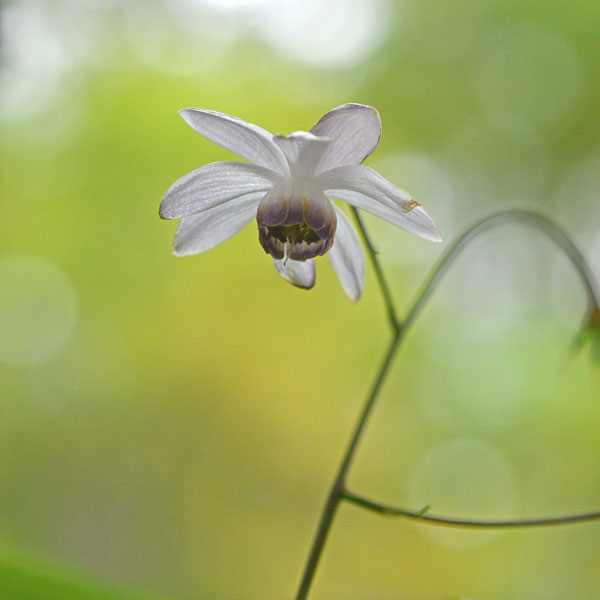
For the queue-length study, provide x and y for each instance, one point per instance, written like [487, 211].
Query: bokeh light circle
[38, 310]
[578, 193]
[515, 166]
[34, 62]
[337, 33]
[429, 183]
[69, 387]
[464, 477]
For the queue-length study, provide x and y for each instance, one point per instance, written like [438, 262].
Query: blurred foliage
[176, 422]
[24, 579]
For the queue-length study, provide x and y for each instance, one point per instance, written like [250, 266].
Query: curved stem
[383, 286]
[338, 490]
[426, 517]
[539, 222]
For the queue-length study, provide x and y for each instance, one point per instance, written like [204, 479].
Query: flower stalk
[425, 516]
[339, 491]
[383, 286]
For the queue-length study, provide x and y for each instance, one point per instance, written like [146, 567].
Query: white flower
[288, 187]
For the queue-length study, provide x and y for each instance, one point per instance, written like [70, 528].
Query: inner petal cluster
[299, 227]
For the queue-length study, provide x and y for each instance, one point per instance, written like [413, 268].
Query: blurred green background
[172, 425]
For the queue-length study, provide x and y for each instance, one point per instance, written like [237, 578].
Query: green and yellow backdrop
[169, 426]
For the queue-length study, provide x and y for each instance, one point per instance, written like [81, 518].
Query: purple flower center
[296, 228]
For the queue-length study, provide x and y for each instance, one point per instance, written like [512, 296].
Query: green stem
[338, 490]
[526, 217]
[426, 517]
[383, 286]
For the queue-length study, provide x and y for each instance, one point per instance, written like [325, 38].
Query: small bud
[590, 333]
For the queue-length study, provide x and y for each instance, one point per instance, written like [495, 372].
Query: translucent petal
[365, 180]
[416, 220]
[302, 150]
[353, 130]
[300, 274]
[212, 185]
[347, 257]
[244, 139]
[209, 228]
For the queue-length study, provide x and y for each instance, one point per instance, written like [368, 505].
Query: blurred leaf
[23, 578]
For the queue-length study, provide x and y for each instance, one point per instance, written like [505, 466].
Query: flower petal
[300, 274]
[354, 131]
[416, 220]
[244, 139]
[365, 180]
[209, 228]
[212, 185]
[347, 257]
[302, 150]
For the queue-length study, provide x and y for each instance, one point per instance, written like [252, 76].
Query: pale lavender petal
[353, 130]
[364, 180]
[302, 150]
[347, 257]
[416, 220]
[209, 228]
[244, 139]
[300, 274]
[212, 185]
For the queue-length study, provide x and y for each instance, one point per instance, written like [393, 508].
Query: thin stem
[385, 290]
[540, 222]
[338, 490]
[426, 517]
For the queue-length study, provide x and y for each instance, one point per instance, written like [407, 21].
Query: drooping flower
[288, 186]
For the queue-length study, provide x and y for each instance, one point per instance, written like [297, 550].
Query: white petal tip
[431, 235]
[423, 225]
[301, 286]
[347, 258]
[189, 115]
[184, 114]
[178, 251]
[167, 210]
[299, 274]
[164, 214]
